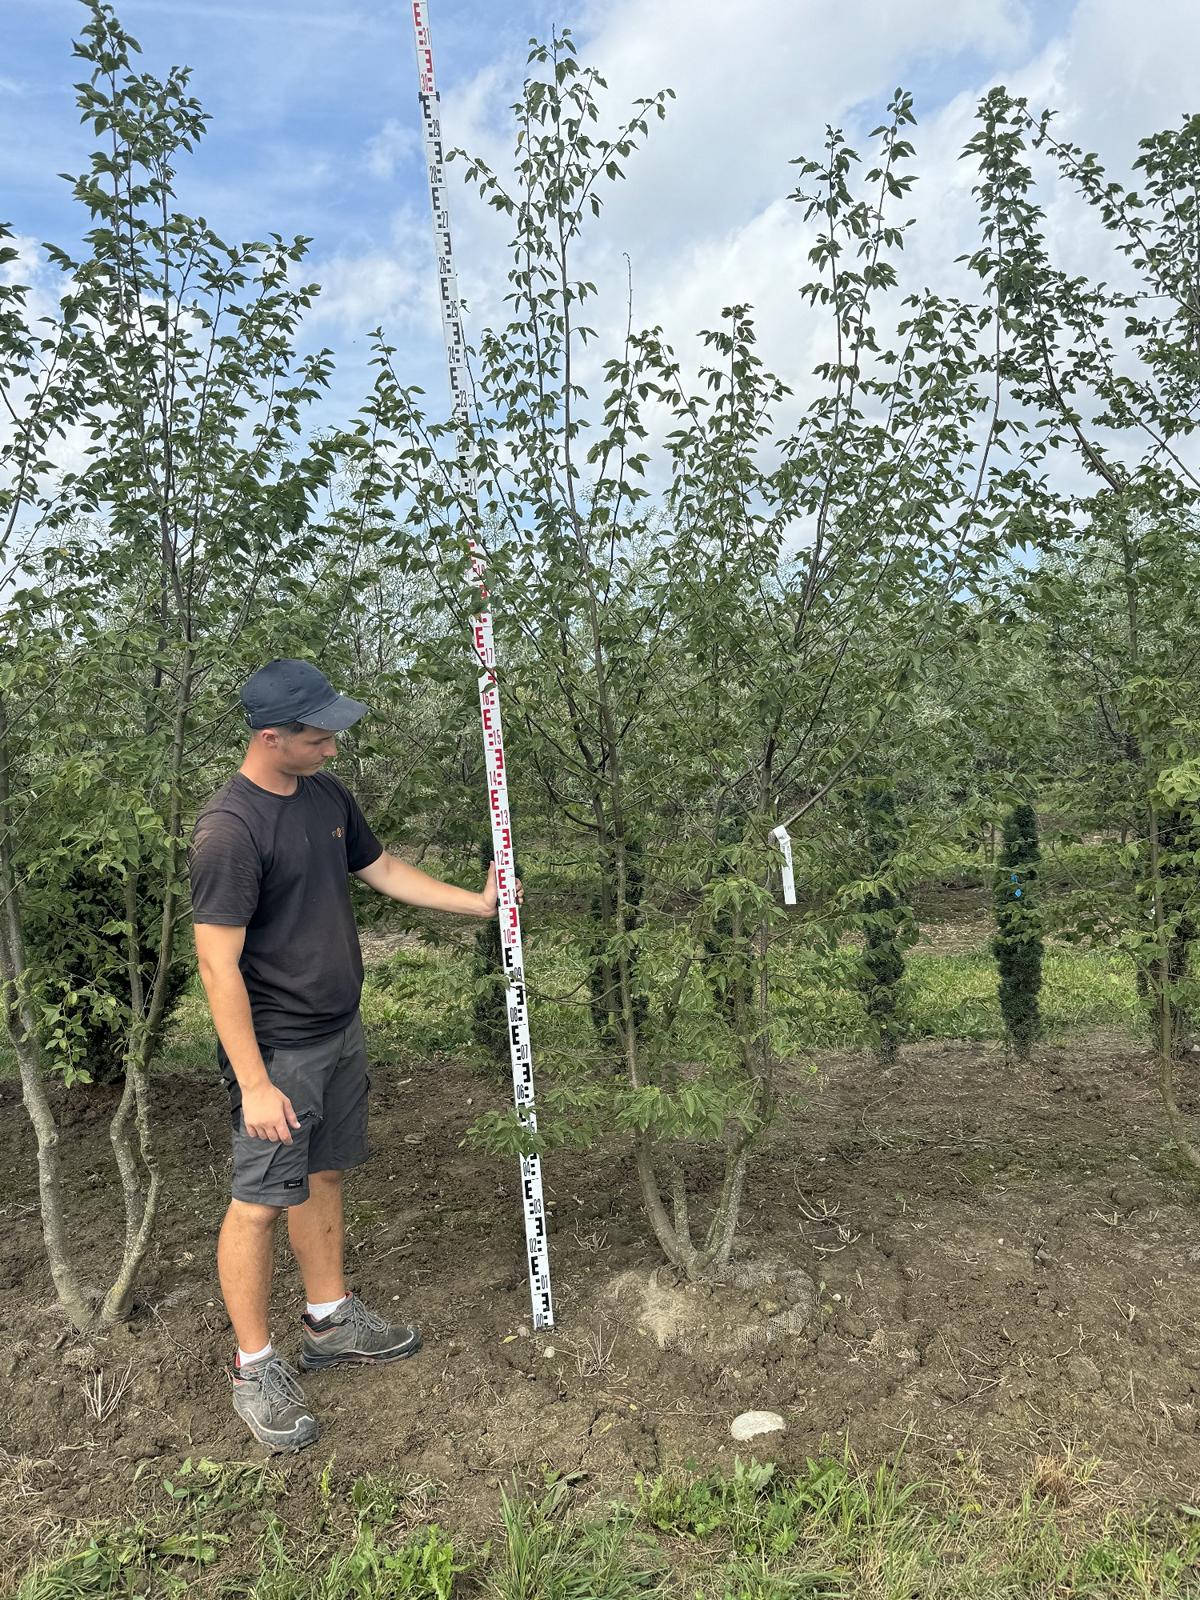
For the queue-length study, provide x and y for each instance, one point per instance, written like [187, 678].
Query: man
[282, 968]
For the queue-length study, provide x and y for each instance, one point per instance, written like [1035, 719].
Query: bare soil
[1006, 1259]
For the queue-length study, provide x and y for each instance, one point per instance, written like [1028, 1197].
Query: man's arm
[266, 1112]
[399, 881]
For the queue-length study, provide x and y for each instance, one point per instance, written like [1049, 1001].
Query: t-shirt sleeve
[226, 871]
[362, 847]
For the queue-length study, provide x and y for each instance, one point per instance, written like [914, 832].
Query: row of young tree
[968, 565]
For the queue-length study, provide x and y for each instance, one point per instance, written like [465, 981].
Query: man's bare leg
[353, 1333]
[317, 1233]
[244, 1252]
[265, 1393]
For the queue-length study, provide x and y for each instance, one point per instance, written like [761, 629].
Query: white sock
[245, 1358]
[316, 1312]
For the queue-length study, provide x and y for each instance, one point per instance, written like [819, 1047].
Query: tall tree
[1110, 375]
[146, 579]
[686, 657]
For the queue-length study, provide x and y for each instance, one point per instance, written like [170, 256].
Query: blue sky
[298, 90]
[314, 130]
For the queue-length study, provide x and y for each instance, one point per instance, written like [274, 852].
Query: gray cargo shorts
[327, 1083]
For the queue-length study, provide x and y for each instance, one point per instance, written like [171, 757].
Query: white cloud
[393, 286]
[44, 284]
[325, 18]
[702, 214]
[394, 144]
[27, 264]
[757, 83]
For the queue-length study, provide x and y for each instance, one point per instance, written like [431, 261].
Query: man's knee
[249, 1214]
[331, 1179]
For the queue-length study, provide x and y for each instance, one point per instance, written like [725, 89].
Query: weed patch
[829, 1532]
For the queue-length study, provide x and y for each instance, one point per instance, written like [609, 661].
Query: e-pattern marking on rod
[484, 650]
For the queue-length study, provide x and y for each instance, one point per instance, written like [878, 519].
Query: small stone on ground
[751, 1423]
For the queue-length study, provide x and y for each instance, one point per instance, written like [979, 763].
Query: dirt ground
[1007, 1260]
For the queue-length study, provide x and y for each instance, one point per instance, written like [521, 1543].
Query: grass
[954, 997]
[417, 1002]
[829, 1532]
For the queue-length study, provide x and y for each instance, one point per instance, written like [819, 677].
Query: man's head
[294, 750]
[294, 712]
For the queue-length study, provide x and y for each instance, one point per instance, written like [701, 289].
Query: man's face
[300, 754]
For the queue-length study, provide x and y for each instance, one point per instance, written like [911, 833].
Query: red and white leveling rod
[484, 652]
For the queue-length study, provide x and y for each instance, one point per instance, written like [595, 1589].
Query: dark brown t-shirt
[277, 865]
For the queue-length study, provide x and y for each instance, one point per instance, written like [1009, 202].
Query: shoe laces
[365, 1320]
[280, 1382]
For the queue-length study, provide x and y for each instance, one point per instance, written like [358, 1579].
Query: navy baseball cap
[296, 691]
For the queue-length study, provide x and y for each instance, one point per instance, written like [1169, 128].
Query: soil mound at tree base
[750, 1307]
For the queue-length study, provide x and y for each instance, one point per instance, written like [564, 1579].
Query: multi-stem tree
[716, 629]
[140, 585]
[1109, 373]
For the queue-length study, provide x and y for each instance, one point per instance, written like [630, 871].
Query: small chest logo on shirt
[338, 832]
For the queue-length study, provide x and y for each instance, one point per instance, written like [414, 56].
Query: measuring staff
[484, 654]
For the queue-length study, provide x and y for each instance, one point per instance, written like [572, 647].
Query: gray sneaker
[354, 1334]
[268, 1398]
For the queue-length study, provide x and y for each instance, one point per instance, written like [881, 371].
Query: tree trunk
[148, 1012]
[119, 1298]
[74, 1298]
[119, 1129]
[723, 1228]
[1167, 1015]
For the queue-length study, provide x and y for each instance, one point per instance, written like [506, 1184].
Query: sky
[315, 130]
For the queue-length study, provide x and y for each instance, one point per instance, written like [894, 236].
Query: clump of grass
[418, 1002]
[549, 1555]
[102, 1393]
[832, 1532]
[424, 1566]
[190, 1040]
[1065, 1478]
[801, 1534]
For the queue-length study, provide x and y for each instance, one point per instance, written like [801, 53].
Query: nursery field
[997, 1391]
[834, 827]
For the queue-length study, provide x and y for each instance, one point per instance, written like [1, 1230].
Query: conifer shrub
[1018, 942]
[1178, 852]
[888, 925]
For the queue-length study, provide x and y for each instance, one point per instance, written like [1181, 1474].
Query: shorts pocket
[268, 1171]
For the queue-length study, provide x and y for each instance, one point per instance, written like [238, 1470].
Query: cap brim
[338, 715]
